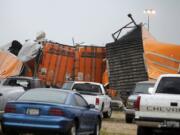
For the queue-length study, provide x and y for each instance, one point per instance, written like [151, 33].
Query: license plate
[32, 111]
[171, 124]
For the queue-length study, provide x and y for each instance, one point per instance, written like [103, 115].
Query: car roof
[170, 75]
[23, 77]
[147, 82]
[83, 82]
[54, 89]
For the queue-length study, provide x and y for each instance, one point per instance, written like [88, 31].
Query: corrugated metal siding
[57, 64]
[61, 62]
[126, 63]
[89, 63]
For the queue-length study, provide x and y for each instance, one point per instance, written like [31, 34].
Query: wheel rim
[109, 112]
[73, 130]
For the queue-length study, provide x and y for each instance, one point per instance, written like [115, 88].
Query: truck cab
[159, 111]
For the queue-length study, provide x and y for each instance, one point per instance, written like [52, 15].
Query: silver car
[13, 87]
[140, 88]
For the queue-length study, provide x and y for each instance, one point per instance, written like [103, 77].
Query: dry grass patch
[116, 125]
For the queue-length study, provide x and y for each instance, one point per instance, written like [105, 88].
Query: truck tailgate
[91, 99]
[160, 106]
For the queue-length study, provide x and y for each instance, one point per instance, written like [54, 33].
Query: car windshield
[17, 82]
[42, 95]
[169, 85]
[142, 87]
[87, 88]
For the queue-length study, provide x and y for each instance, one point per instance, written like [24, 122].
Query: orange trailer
[10, 65]
[89, 64]
[160, 58]
[60, 63]
[56, 64]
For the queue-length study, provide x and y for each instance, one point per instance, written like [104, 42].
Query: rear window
[169, 85]
[17, 82]
[87, 88]
[142, 87]
[50, 96]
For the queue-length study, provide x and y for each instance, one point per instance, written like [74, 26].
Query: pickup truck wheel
[102, 107]
[144, 131]
[128, 118]
[108, 113]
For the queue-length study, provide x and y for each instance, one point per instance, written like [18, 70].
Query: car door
[88, 117]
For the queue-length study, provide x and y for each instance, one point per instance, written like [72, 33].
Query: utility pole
[149, 12]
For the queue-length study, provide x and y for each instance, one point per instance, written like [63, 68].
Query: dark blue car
[50, 110]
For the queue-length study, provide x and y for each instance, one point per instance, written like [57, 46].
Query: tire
[10, 133]
[102, 107]
[108, 113]
[73, 130]
[97, 129]
[128, 118]
[144, 131]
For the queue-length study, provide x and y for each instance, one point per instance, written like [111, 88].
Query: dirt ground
[116, 125]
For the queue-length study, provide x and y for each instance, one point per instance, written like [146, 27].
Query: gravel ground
[116, 125]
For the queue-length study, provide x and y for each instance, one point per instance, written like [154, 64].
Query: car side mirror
[151, 90]
[91, 106]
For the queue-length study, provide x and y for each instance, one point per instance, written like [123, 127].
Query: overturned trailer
[126, 62]
[59, 63]
[137, 56]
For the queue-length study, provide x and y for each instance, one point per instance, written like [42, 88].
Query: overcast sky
[89, 21]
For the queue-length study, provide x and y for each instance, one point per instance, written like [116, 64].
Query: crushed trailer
[137, 56]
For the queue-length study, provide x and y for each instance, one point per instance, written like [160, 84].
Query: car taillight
[56, 111]
[9, 108]
[97, 101]
[137, 103]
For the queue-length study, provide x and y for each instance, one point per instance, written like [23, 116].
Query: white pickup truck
[159, 111]
[94, 93]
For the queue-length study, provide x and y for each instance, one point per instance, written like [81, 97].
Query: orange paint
[61, 62]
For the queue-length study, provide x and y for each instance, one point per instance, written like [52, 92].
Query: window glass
[73, 101]
[44, 95]
[87, 88]
[143, 87]
[169, 85]
[18, 82]
[80, 101]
